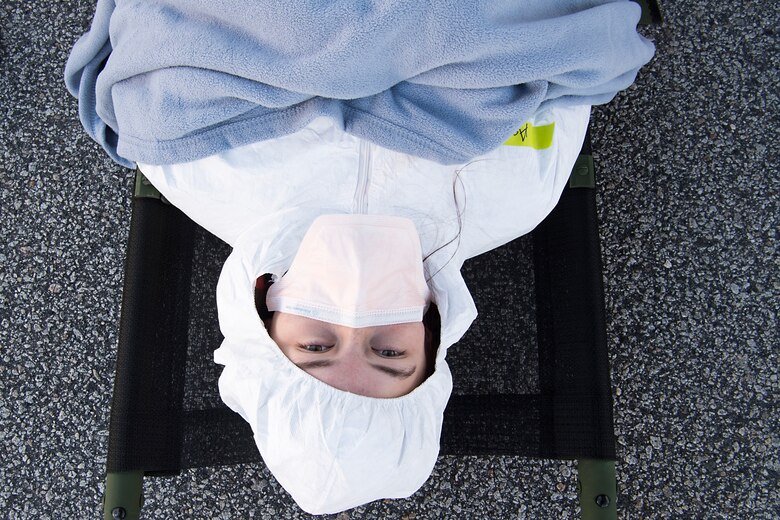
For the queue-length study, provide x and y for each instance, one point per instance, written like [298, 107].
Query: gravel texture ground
[688, 198]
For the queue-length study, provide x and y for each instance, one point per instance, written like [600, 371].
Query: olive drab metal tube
[597, 489]
[124, 495]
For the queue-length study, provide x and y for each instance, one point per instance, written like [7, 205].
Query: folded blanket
[166, 81]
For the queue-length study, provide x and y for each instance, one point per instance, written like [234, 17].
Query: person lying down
[354, 155]
[345, 266]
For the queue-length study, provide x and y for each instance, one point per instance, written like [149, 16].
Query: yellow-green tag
[537, 137]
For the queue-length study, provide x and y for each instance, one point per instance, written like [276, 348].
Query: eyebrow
[397, 373]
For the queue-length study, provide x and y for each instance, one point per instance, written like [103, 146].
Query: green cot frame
[596, 484]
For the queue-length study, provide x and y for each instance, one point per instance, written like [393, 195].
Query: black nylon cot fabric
[145, 428]
[571, 328]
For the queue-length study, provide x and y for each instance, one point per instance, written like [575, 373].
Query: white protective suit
[330, 449]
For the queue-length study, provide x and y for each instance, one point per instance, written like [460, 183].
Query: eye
[315, 348]
[388, 352]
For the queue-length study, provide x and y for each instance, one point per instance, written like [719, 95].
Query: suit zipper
[360, 201]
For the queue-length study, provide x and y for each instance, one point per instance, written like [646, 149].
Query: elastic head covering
[330, 449]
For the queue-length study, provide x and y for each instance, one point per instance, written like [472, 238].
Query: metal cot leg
[598, 489]
[124, 495]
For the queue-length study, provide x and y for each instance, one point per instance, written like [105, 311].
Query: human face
[383, 361]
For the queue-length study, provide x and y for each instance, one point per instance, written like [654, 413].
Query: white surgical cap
[330, 449]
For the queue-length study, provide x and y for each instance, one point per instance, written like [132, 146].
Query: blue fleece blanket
[165, 81]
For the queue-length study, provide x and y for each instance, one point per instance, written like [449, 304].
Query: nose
[353, 338]
[351, 371]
